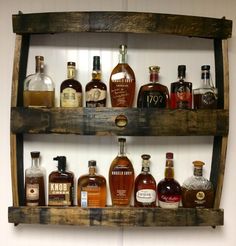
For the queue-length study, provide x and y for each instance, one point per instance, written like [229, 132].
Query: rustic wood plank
[102, 121]
[116, 217]
[125, 22]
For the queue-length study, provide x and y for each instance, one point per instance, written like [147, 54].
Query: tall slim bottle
[35, 182]
[96, 90]
[122, 82]
[39, 89]
[121, 177]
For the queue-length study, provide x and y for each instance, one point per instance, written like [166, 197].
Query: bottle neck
[92, 170]
[123, 58]
[35, 162]
[122, 149]
[197, 171]
[206, 79]
[145, 166]
[154, 77]
[96, 75]
[39, 62]
[169, 170]
[70, 72]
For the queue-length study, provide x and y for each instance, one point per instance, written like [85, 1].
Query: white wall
[143, 51]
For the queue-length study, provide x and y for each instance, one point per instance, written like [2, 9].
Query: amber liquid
[91, 191]
[122, 86]
[197, 198]
[121, 181]
[39, 98]
[34, 191]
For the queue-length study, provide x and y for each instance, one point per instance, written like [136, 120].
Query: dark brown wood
[102, 121]
[115, 217]
[125, 22]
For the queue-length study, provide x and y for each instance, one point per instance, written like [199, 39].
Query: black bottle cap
[73, 64]
[96, 63]
[181, 71]
[205, 67]
[61, 162]
[122, 140]
[35, 154]
[145, 156]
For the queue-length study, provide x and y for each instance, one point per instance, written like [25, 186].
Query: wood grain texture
[101, 121]
[115, 217]
[125, 22]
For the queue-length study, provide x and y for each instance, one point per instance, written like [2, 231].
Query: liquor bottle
[145, 186]
[197, 191]
[206, 96]
[96, 90]
[91, 189]
[39, 90]
[61, 185]
[122, 82]
[153, 94]
[181, 91]
[168, 189]
[35, 182]
[121, 177]
[71, 89]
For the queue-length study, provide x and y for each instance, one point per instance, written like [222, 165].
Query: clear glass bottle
[153, 94]
[121, 177]
[145, 186]
[91, 188]
[122, 82]
[168, 189]
[35, 182]
[61, 185]
[39, 90]
[197, 191]
[205, 97]
[71, 89]
[96, 90]
[181, 91]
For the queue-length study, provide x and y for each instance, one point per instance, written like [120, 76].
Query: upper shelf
[122, 22]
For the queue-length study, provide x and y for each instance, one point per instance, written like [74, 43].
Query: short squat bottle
[122, 82]
[35, 182]
[39, 90]
[121, 177]
[197, 191]
[205, 97]
[91, 188]
[168, 189]
[181, 91]
[153, 94]
[145, 185]
[61, 185]
[71, 89]
[96, 90]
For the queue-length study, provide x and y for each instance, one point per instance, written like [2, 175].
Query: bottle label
[91, 196]
[146, 196]
[154, 99]
[208, 98]
[96, 98]
[71, 98]
[32, 194]
[84, 199]
[60, 194]
[181, 97]
[169, 201]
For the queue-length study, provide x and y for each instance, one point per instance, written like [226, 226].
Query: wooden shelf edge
[116, 217]
[122, 22]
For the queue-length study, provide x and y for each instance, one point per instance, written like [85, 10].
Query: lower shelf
[116, 217]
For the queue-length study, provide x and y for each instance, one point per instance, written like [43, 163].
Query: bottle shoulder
[71, 83]
[39, 82]
[96, 83]
[196, 183]
[121, 71]
[61, 175]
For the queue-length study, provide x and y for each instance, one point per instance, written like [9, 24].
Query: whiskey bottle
[35, 182]
[61, 185]
[153, 94]
[197, 191]
[122, 82]
[168, 189]
[145, 186]
[96, 90]
[71, 89]
[91, 189]
[205, 97]
[121, 177]
[39, 90]
[181, 91]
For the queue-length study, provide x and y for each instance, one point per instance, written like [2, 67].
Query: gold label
[200, 195]
[32, 191]
[71, 98]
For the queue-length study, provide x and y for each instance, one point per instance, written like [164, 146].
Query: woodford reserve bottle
[197, 191]
[206, 96]
[153, 94]
[121, 177]
[35, 182]
[122, 82]
[168, 189]
[96, 90]
[91, 189]
[181, 91]
[71, 89]
[61, 185]
[39, 90]
[145, 186]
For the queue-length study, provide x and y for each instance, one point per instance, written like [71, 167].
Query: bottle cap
[35, 154]
[41, 58]
[123, 49]
[181, 71]
[96, 63]
[61, 162]
[73, 64]
[205, 67]
[169, 155]
[145, 157]
[92, 163]
[122, 140]
[198, 163]
[154, 69]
